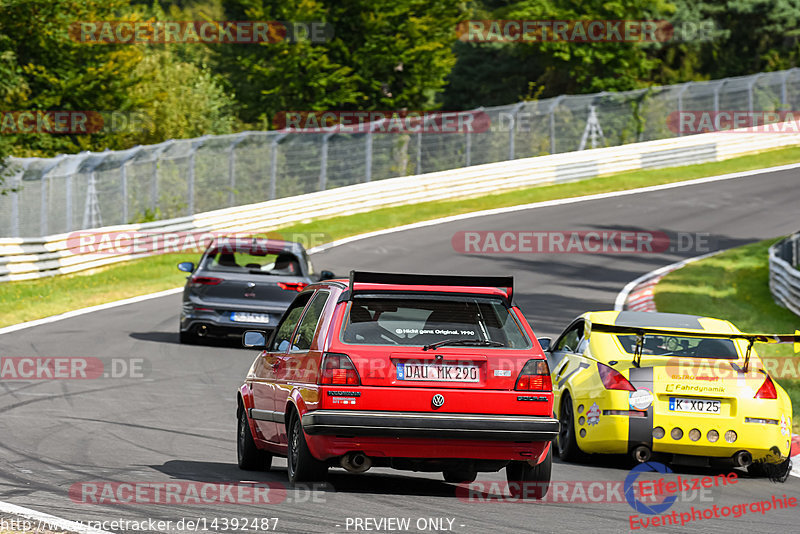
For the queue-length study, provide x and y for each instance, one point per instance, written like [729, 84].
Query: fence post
[368, 154]
[419, 152]
[750, 92]
[467, 149]
[552, 121]
[511, 126]
[43, 214]
[123, 172]
[323, 163]
[154, 185]
[717, 89]
[273, 166]
[680, 106]
[191, 182]
[16, 184]
[68, 202]
[232, 174]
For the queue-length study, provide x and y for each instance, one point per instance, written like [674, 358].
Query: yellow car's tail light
[767, 390]
[694, 434]
[658, 432]
[730, 436]
[712, 436]
[613, 379]
[676, 433]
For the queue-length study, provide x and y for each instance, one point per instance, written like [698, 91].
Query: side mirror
[326, 275]
[545, 343]
[186, 267]
[254, 339]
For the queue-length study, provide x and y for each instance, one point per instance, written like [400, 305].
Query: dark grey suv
[241, 284]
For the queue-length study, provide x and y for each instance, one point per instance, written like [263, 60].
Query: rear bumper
[506, 428]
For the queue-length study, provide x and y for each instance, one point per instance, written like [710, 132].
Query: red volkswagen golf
[414, 372]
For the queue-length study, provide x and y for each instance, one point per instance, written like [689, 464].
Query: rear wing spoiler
[504, 282]
[640, 332]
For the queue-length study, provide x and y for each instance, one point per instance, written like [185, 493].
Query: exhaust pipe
[642, 454]
[742, 459]
[355, 462]
[202, 331]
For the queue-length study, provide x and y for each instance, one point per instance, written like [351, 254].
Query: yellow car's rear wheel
[568, 449]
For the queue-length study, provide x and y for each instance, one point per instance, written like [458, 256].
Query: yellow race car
[685, 389]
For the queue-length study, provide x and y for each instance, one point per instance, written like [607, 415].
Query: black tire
[250, 458]
[568, 449]
[301, 466]
[460, 476]
[525, 480]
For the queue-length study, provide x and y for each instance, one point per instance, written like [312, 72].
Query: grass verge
[28, 300]
[734, 285]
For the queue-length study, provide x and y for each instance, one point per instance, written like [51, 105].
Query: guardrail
[784, 277]
[22, 259]
[183, 177]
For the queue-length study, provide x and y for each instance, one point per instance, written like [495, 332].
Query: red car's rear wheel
[301, 465]
[250, 458]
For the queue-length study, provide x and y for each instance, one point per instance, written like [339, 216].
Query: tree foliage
[381, 55]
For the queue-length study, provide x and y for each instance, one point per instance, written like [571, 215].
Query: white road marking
[83, 311]
[622, 296]
[48, 521]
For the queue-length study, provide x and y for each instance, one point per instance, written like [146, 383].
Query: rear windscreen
[687, 347]
[417, 322]
[278, 264]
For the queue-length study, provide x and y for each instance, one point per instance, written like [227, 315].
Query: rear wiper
[472, 342]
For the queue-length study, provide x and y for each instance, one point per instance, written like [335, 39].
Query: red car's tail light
[338, 369]
[767, 390]
[205, 281]
[613, 379]
[535, 376]
[292, 286]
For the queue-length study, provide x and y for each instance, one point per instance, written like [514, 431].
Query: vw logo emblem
[438, 400]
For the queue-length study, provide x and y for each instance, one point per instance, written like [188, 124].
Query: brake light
[613, 379]
[338, 369]
[535, 376]
[292, 286]
[767, 390]
[205, 281]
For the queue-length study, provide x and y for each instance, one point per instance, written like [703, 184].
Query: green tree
[733, 38]
[383, 55]
[55, 72]
[553, 68]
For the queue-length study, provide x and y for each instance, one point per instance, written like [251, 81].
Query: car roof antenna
[637, 352]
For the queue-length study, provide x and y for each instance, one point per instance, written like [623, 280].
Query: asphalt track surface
[177, 423]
